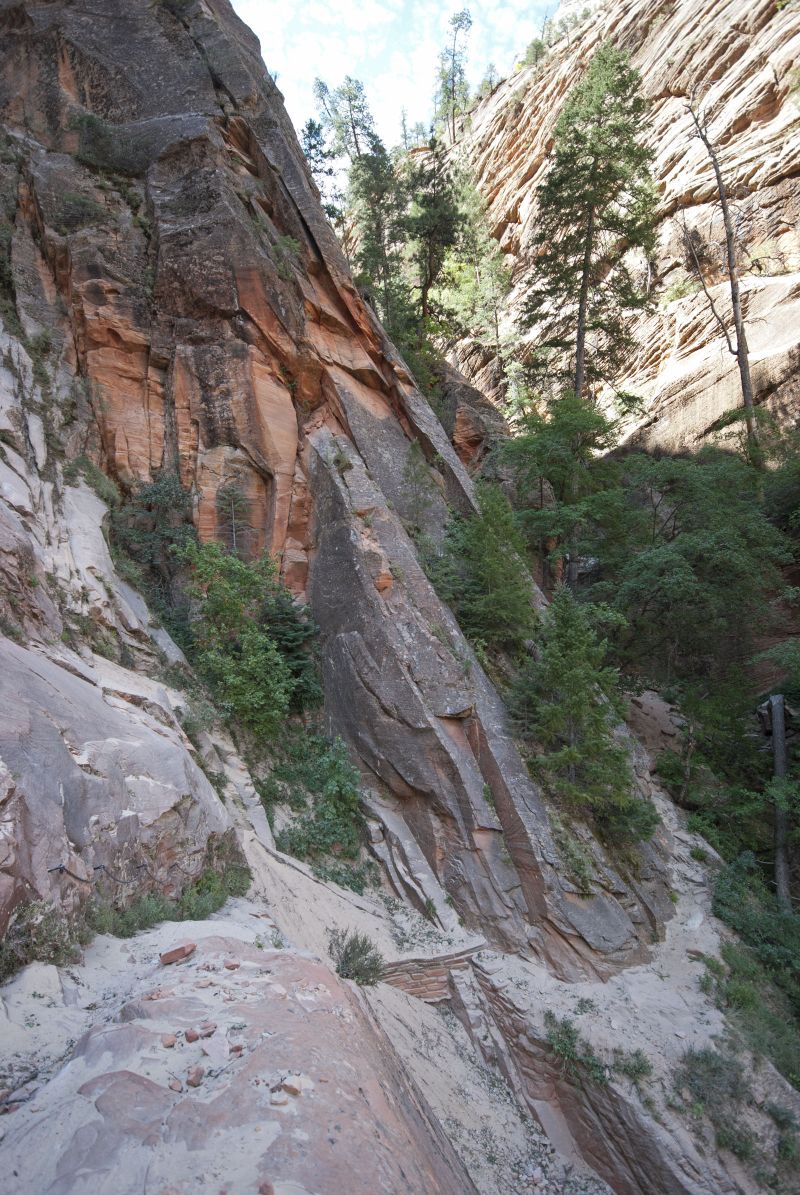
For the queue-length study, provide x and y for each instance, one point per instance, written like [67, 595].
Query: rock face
[269, 1076]
[187, 308]
[172, 299]
[739, 62]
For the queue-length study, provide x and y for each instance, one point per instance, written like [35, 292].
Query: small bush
[355, 956]
[719, 1087]
[199, 900]
[103, 486]
[37, 932]
[577, 1055]
[633, 1064]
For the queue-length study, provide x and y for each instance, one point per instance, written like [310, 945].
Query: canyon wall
[737, 62]
[185, 307]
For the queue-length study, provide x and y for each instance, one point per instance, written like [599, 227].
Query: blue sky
[391, 45]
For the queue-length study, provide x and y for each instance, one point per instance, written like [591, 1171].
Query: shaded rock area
[739, 62]
[186, 307]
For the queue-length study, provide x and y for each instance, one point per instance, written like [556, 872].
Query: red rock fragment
[191, 1035]
[232, 964]
[168, 1040]
[178, 953]
[195, 1076]
[266, 1189]
[207, 1029]
[175, 1085]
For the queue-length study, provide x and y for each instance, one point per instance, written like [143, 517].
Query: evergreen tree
[475, 279]
[595, 206]
[568, 702]
[378, 205]
[482, 574]
[568, 485]
[320, 158]
[345, 116]
[453, 94]
[433, 223]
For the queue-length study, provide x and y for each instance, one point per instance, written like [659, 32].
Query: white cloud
[391, 45]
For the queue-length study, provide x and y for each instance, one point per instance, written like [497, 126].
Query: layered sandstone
[738, 63]
[166, 237]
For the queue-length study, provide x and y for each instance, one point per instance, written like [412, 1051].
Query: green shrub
[355, 956]
[577, 1055]
[199, 900]
[633, 1064]
[37, 932]
[102, 485]
[568, 701]
[331, 824]
[718, 1086]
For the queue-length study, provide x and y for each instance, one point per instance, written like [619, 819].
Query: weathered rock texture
[243, 1069]
[739, 60]
[164, 229]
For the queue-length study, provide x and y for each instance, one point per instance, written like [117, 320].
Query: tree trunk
[583, 303]
[781, 823]
[742, 353]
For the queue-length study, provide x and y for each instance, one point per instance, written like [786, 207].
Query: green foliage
[286, 251]
[719, 1088]
[578, 1058]
[345, 117]
[475, 279]
[332, 826]
[633, 1064]
[568, 701]
[199, 900]
[233, 651]
[694, 565]
[743, 901]
[147, 531]
[453, 91]
[482, 574]
[433, 222]
[103, 486]
[378, 204]
[595, 206]
[37, 932]
[355, 956]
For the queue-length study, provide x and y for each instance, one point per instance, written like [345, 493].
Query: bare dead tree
[737, 345]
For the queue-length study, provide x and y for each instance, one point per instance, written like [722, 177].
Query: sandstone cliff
[166, 244]
[172, 298]
[739, 62]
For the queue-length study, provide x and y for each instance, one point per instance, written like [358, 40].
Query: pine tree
[475, 279]
[378, 204]
[453, 90]
[434, 222]
[568, 702]
[483, 575]
[320, 158]
[345, 115]
[595, 206]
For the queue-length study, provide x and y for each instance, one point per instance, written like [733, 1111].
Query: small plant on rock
[577, 1055]
[355, 956]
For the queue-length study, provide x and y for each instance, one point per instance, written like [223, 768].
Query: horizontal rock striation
[738, 62]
